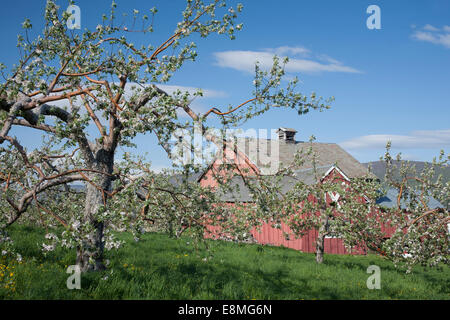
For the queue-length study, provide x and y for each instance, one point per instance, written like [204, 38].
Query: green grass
[159, 267]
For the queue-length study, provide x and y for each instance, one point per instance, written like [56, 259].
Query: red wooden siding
[274, 236]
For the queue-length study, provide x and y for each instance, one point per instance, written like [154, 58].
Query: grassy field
[162, 268]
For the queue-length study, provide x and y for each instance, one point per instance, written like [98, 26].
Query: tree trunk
[90, 251]
[320, 242]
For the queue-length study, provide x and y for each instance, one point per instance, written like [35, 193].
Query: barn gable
[262, 156]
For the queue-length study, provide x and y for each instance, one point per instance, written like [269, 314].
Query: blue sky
[392, 83]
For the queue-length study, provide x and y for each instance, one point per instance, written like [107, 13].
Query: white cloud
[429, 27]
[298, 61]
[424, 139]
[433, 35]
[286, 50]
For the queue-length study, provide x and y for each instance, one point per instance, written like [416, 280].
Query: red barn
[264, 156]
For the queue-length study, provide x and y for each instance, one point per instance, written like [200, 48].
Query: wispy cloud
[286, 50]
[429, 27]
[432, 34]
[300, 60]
[425, 139]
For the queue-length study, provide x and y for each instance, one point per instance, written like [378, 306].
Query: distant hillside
[379, 169]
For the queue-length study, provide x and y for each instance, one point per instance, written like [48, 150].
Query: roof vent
[286, 134]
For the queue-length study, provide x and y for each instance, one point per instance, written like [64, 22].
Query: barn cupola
[286, 134]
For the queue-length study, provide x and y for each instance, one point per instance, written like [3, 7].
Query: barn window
[334, 196]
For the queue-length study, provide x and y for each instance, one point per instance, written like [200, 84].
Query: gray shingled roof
[390, 201]
[284, 152]
[241, 193]
[178, 179]
[264, 153]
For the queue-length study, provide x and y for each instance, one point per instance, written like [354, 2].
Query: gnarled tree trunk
[90, 251]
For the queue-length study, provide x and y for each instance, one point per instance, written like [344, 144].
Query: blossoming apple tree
[67, 82]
